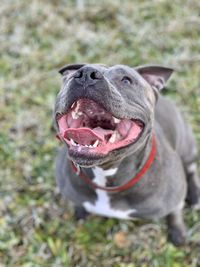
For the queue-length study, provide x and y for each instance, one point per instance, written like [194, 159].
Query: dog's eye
[126, 80]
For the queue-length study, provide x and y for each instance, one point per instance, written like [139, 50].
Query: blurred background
[38, 37]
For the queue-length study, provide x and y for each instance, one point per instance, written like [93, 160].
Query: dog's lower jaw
[119, 155]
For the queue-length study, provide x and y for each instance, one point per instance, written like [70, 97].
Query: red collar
[127, 185]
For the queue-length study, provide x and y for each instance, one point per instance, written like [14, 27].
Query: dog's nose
[88, 75]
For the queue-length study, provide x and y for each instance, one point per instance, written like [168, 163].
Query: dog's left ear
[156, 76]
[69, 68]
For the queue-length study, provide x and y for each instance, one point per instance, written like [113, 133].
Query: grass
[37, 37]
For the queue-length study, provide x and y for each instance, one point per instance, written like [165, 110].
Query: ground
[37, 37]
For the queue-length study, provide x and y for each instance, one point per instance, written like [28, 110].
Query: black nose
[88, 75]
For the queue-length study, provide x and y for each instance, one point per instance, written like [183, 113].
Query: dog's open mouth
[87, 127]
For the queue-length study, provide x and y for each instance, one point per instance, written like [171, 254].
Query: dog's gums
[88, 127]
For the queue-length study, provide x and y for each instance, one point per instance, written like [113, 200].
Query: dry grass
[37, 37]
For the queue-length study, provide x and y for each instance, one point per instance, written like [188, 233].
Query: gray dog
[129, 153]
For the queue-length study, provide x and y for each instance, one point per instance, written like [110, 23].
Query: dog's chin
[92, 134]
[87, 160]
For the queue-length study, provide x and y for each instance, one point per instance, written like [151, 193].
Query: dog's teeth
[95, 143]
[116, 120]
[86, 145]
[72, 105]
[72, 142]
[75, 115]
[90, 146]
[77, 107]
[113, 137]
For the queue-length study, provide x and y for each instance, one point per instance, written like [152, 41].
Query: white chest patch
[102, 204]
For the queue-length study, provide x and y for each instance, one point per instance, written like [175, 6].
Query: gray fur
[163, 188]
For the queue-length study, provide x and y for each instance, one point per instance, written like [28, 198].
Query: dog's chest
[102, 205]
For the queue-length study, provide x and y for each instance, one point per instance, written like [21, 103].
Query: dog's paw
[177, 236]
[80, 213]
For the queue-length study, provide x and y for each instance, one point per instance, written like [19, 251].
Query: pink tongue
[124, 126]
[102, 132]
[86, 136]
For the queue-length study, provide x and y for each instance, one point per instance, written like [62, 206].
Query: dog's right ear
[70, 68]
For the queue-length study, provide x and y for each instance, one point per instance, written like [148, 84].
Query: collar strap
[127, 185]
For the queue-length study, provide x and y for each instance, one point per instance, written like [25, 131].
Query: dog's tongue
[86, 136]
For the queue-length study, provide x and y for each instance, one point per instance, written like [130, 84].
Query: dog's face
[105, 113]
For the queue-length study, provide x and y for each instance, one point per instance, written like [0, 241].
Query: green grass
[37, 37]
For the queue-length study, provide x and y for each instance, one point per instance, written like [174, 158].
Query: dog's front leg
[176, 227]
[193, 196]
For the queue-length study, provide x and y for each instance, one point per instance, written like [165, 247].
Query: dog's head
[105, 113]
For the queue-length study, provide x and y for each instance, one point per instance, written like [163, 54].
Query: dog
[128, 151]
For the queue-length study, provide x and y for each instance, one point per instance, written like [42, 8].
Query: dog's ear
[70, 68]
[156, 76]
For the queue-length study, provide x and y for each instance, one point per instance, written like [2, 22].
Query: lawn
[37, 228]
